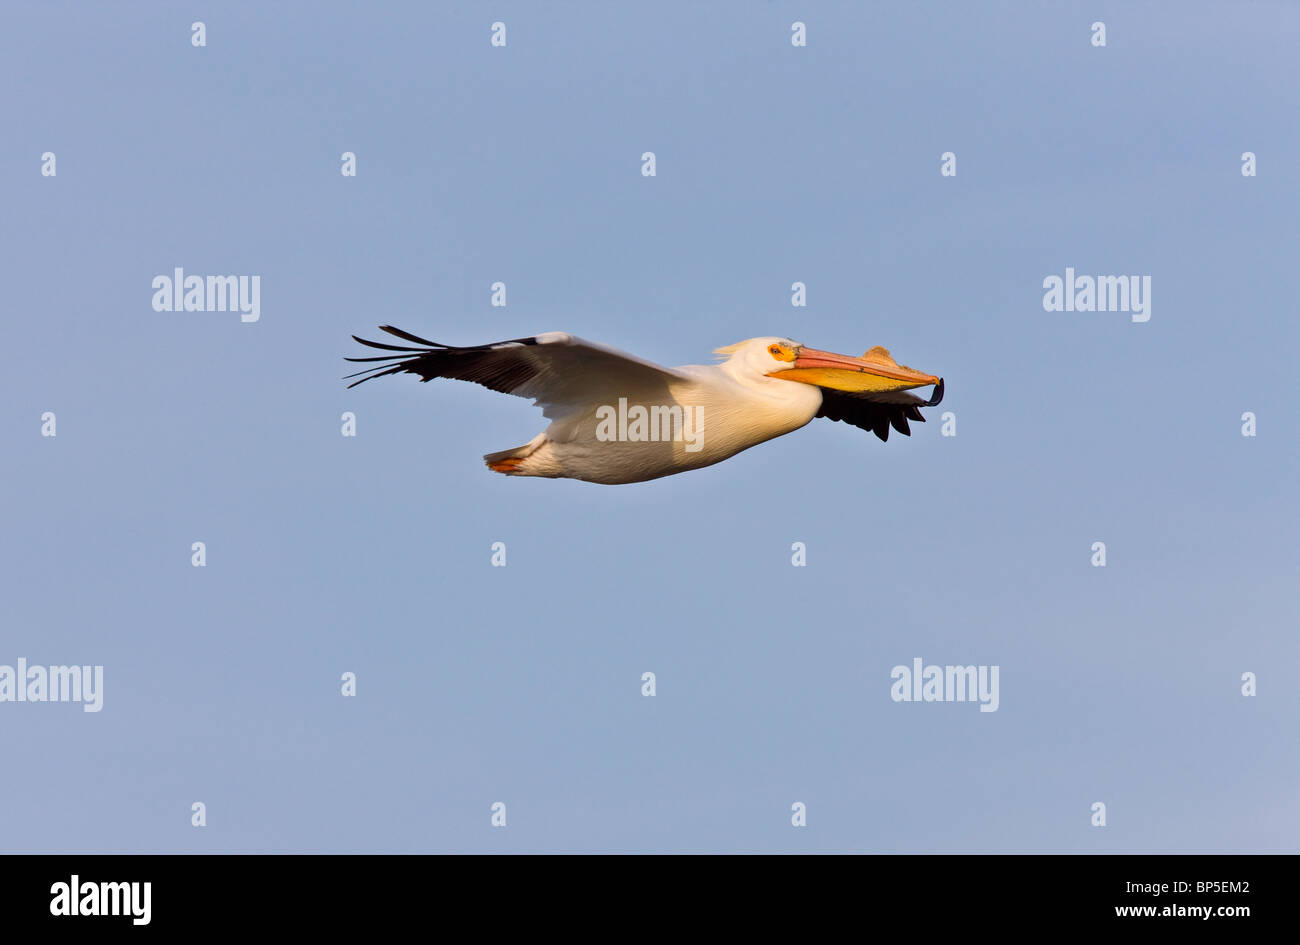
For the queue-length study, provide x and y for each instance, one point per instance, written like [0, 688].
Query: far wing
[877, 412]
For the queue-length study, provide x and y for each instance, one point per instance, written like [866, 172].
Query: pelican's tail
[512, 462]
[507, 461]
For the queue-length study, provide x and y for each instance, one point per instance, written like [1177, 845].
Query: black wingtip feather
[410, 337]
[373, 372]
[937, 396]
[383, 347]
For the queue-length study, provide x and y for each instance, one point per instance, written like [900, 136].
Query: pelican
[618, 419]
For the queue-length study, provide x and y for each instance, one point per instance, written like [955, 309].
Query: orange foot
[507, 466]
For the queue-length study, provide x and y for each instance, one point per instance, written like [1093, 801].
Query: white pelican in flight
[617, 419]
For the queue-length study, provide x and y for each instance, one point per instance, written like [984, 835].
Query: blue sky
[522, 684]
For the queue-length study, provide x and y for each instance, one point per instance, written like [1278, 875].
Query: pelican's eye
[781, 352]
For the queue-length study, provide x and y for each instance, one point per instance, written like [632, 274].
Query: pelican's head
[788, 360]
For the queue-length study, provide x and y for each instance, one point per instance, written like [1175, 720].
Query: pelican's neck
[790, 399]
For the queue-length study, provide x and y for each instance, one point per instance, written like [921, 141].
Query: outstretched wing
[877, 412]
[554, 369]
